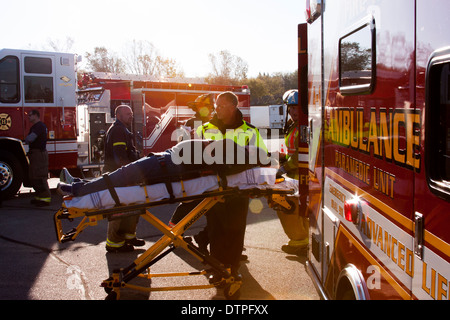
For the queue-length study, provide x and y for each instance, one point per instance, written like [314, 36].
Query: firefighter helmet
[291, 97]
[205, 100]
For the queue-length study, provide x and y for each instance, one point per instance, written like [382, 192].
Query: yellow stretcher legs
[172, 238]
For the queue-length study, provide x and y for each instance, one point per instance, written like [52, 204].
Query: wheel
[11, 174]
[108, 290]
[112, 296]
[293, 207]
[232, 291]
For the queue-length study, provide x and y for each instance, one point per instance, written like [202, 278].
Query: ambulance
[78, 109]
[378, 83]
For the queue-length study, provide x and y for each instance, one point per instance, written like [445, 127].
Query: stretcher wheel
[112, 296]
[232, 291]
[293, 207]
[285, 210]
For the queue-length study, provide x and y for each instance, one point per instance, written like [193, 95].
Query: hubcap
[6, 175]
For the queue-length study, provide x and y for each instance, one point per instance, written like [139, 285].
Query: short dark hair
[35, 112]
[230, 97]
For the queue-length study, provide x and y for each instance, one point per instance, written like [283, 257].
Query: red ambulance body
[379, 148]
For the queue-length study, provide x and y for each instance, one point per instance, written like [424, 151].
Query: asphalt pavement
[35, 266]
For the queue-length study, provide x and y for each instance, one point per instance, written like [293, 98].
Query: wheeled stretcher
[138, 200]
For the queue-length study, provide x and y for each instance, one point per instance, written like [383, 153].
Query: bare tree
[168, 68]
[59, 45]
[227, 68]
[141, 58]
[103, 61]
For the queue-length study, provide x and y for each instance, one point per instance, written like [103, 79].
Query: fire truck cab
[45, 81]
[379, 148]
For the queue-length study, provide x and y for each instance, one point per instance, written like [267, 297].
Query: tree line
[142, 58]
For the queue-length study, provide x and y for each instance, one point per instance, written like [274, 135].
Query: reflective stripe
[299, 243]
[130, 236]
[243, 135]
[114, 244]
[44, 199]
[290, 141]
[119, 144]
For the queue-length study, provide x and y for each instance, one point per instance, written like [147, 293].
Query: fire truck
[159, 107]
[79, 110]
[378, 82]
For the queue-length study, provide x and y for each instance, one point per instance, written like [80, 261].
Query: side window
[38, 65]
[357, 63]
[9, 80]
[438, 127]
[38, 88]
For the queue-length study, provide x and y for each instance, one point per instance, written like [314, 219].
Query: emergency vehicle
[379, 148]
[78, 113]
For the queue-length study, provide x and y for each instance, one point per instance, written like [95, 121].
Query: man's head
[124, 114]
[290, 98]
[34, 116]
[226, 107]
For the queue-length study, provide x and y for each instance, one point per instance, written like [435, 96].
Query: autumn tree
[268, 89]
[227, 68]
[103, 61]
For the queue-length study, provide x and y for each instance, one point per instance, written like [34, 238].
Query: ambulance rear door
[432, 178]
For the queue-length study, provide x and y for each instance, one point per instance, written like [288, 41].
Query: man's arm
[119, 148]
[31, 137]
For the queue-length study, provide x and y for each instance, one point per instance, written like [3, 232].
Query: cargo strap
[111, 189]
[168, 183]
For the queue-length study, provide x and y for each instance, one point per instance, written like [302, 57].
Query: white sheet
[262, 178]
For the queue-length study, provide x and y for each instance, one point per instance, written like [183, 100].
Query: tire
[11, 174]
[232, 291]
[112, 296]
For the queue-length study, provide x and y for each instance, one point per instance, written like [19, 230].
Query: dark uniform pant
[38, 174]
[227, 222]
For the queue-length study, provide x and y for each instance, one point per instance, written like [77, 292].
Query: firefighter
[38, 155]
[204, 108]
[227, 220]
[294, 224]
[119, 151]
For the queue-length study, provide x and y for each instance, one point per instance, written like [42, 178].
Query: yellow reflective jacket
[291, 164]
[241, 132]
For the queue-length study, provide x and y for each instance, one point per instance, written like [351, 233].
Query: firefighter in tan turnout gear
[294, 223]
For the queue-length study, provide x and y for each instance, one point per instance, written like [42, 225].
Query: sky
[261, 32]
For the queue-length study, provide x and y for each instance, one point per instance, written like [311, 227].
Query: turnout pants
[226, 230]
[120, 230]
[295, 225]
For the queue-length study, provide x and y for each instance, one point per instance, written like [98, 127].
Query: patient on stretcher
[187, 160]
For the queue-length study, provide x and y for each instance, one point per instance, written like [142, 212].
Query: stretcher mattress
[260, 178]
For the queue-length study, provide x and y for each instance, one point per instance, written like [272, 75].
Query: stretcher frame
[171, 239]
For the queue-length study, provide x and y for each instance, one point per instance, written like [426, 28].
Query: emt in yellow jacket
[227, 221]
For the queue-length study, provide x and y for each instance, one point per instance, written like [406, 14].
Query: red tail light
[353, 210]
